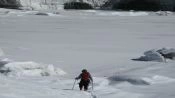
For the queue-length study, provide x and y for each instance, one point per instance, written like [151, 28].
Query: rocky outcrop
[14, 4]
[144, 5]
[77, 5]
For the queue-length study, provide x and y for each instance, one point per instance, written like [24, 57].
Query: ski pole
[92, 86]
[74, 84]
[92, 93]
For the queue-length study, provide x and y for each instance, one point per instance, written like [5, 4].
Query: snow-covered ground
[41, 52]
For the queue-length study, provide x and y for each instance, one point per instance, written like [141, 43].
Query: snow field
[40, 88]
[104, 44]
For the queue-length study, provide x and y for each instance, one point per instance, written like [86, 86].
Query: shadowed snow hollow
[131, 80]
[30, 69]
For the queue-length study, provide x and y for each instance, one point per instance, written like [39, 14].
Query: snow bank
[157, 55]
[11, 12]
[30, 69]
[47, 14]
[5, 60]
[159, 79]
[167, 52]
[151, 55]
[164, 13]
[131, 80]
[104, 89]
[123, 13]
[4, 11]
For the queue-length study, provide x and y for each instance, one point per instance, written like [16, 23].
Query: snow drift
[131, 13]
[131, 80]
[28, 69]
[167, 53]
[151, 55]
[158, 55]
[157, 79]
[10, 12]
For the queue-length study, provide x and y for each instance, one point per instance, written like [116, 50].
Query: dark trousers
[85, 84]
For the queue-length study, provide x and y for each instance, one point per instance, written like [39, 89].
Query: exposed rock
[13, 4]
[77, 5]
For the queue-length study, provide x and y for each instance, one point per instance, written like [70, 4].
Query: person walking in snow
[85, 77]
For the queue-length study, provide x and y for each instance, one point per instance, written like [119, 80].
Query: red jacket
[85, 76]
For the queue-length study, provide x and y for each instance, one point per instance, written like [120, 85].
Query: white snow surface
[152, 55]
[33, 45]
[123, 13]
[156, 55]
[32, 69]
[159, 79]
